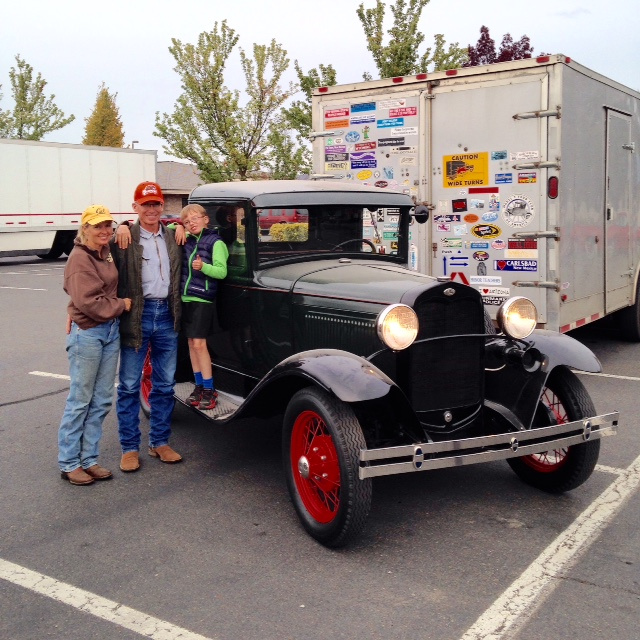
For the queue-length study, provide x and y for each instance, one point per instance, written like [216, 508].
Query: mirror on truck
[421, 214]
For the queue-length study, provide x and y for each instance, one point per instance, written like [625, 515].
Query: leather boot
[99, 473]
[130, 461]
[77, 476]
[165, 453]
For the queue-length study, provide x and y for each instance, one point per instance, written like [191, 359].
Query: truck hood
[365, 281]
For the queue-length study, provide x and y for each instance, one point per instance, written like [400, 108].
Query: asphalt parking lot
[211, 548]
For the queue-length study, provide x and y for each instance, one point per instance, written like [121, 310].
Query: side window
[229, 222]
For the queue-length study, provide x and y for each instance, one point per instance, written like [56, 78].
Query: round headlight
[517, 317]
[397, 326]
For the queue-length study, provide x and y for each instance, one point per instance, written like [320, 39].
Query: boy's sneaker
[196, 395]
[208, 400]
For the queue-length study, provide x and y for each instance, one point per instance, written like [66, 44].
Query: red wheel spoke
[549, 461]
[316, 467]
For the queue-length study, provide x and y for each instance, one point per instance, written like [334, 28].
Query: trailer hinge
[537, 165]
[325, 176]
[555, 285]
[325, 134]
[538, 234]
[630, 147]
[549, 113]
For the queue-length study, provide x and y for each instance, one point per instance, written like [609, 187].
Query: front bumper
[426, 456]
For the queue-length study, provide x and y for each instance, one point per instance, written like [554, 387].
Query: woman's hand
[68, 325]
[127, 304]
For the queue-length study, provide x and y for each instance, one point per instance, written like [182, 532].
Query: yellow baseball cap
[95, 214]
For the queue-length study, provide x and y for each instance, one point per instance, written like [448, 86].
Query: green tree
[209, 126]
[400, 56]
[103, 127]
[298, 115]
[33, 115]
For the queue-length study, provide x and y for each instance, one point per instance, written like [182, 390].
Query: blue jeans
[93, 359]
[157, 332]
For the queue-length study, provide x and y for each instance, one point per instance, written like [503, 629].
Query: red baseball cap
[148, 192]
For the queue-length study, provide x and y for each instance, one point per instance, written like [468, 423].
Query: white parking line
[24, 288]
[95, 605]
[519, 602]
[44, 374]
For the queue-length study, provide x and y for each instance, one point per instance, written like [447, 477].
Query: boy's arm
[218, 268]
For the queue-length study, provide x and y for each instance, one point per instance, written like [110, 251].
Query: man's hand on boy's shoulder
[180, 234]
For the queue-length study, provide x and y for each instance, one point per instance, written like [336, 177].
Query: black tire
[321, 442]
[564, 399]
[57, 248]
[69, 242]
[629, 319]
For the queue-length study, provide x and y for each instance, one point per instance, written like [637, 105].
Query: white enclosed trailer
[45, 187]
[530, 170]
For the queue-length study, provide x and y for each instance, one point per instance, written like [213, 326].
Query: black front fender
[373, 395]
[343, 374]
[519, 390]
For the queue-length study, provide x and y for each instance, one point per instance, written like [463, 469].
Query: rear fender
[519, 390]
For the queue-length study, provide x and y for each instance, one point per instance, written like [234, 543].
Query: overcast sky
[124, 43]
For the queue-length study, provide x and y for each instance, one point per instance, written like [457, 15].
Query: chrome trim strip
[498, 447]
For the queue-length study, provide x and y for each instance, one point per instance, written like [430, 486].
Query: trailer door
[618, 267]
[488, 195]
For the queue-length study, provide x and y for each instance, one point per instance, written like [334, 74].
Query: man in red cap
[149, 271]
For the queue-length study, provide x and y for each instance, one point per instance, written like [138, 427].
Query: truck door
[485, 187]
[618, 267]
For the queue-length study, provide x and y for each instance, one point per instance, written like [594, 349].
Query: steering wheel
[360, 240]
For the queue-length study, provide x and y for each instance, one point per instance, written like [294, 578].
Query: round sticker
[365, 174]
[352, 136]
[471, 218]
[518, 211]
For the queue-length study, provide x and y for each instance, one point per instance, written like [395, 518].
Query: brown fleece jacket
[91, 280]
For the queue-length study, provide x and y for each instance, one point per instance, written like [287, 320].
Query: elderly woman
[93, 346]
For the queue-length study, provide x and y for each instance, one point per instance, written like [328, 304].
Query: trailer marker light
[451, 72]
[397, 80]
[567, 59]
[421, 76]
[541, 59]
[323, 89]
[552, 187]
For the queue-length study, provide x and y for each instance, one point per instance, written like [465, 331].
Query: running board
[456, 453]
[225, 407]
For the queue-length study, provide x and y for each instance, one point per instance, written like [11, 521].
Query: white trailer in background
[530, 169]
[45, 187]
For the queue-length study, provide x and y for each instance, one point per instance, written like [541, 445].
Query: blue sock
[208, 383]
[198, 375]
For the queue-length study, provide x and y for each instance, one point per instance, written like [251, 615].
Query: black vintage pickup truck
[375, 368]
